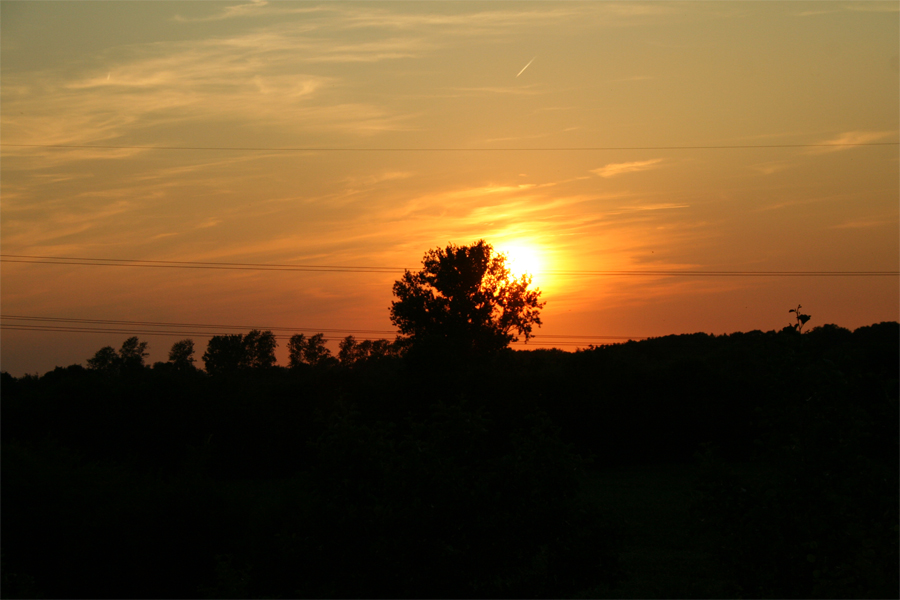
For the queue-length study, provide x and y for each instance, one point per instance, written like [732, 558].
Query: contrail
[526, 66]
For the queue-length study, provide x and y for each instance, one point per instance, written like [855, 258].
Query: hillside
[753, 464]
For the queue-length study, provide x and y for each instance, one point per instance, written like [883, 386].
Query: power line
[412, 149]
[118, 262]
[179, 262]
[71, 325]
[675, 273]
[192, 325]
[126, 331]
[130, 332]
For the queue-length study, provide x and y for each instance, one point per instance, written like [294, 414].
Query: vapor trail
[526, 66]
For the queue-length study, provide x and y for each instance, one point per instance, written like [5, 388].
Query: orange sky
[452, 141]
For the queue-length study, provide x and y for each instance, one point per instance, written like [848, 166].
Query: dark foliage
[181, 356]
[308, 350]
[239, 352]
[463, 305]
[129, 358]
[815, 512]
[368, 477]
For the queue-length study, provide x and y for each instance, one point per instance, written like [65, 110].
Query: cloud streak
[614, 169]
[845, 140]
[264, 79]
[256, 8]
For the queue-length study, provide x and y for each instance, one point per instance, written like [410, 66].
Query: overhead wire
[124, 262]
[193, 325]
[121, 262]
[128, 327]
[448, 149]
[531, 343]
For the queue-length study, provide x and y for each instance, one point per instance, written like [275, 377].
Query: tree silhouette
[226, 353]
[380, 348]
[295, 350]
[464, 301]
[304, 350]
[132, 353]
[106, 359]
[223, 353]
[352, 352]
[259, 349]
[130, 357]
[182, 354]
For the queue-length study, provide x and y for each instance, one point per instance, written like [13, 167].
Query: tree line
[240, 352]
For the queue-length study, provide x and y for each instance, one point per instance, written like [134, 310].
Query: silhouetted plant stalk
[801, 319]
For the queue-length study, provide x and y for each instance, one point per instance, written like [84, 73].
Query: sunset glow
[622, 143]
[523, 260]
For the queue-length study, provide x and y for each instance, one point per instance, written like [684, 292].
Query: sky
[577, 137]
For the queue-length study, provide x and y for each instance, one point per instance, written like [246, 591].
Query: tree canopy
[130, 357]
[465, 301]
[310, 350]
[182, 354]
[228, 353]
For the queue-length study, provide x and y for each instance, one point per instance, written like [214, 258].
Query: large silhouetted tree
[464, 302]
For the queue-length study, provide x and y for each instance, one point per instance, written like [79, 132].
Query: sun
[522, 259]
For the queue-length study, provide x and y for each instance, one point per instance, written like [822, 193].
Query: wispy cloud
[260, 78]
[613, 169]
[846, 140]
[886, 7]
[511, 138]
[370, 180]
[663, 206]
[439, 19]
[256, 8]
[867, 223]
[466, 23]
[529, 90]
[210, 222]
[771, 167]
[284, 76]
[632, 78]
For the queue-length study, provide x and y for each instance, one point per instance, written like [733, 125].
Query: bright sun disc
[522, 260]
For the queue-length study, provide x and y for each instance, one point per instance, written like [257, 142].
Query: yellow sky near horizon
[446, 139]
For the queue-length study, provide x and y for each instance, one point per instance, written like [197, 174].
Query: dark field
[750, 465]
